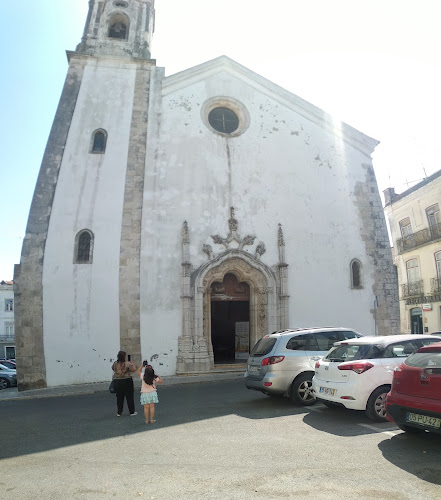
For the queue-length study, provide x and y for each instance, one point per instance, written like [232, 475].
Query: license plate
[327, 390]
[423, 420]
[253, 369]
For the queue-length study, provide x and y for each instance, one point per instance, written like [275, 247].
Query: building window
[223, 120]
[83, 247]
[356, 274]
[438, 264]
[9, 329]
[9, 305]
[405, 227]
[413, 277]
[99, 140]
[434, 220]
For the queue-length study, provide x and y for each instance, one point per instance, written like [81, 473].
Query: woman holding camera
[122, 377]
[149, 395]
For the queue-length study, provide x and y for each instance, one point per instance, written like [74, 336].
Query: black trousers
[125, 389]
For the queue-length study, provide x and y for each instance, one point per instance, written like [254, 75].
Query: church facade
[182, 218]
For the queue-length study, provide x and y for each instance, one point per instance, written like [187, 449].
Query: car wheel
[4, 383]
[301, 390]
[410, 430]
[376, 405]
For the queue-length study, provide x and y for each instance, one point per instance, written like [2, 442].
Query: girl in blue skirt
[149, 395]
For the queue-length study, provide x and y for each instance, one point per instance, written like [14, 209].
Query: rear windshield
[424, 360]
[263, 347]
[351, 352]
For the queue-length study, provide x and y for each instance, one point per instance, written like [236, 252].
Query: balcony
[7, 338]
[435, 285]
[412, 289]
[431, 233]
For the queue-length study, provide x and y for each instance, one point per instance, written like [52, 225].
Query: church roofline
[357, 139]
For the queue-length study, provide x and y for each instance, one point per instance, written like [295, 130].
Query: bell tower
[122, 28]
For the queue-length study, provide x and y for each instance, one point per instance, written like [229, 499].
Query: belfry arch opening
[230, 320]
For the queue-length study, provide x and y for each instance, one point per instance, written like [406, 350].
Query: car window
[424, 360]
[345, 335]
[297, 343]
[353, 352]
[323, 341]
[400, 349]
[428, 341]
[263, 347]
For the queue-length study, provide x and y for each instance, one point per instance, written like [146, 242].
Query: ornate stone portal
[268, 294]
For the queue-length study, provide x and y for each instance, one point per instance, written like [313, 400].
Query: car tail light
[317, 364]
[272, 360]
[357, 367]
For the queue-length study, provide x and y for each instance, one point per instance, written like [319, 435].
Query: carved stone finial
[233, 224]
[281, 238]
[260, 250]
[208, 250]
[185, 234]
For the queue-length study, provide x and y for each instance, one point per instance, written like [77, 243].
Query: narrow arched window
[118, 29]
[83, 247]
[356, 274]
[99, 141]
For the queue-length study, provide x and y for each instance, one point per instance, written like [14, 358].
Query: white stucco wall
[283, 169]
[81, 301]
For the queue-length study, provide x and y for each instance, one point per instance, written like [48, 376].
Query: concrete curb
[12, 393]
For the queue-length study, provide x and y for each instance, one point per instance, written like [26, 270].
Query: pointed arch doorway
[230, 320]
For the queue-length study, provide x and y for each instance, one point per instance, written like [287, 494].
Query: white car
[357, 373]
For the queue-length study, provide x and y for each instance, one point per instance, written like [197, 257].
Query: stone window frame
[232, 104]
[405, 227]
[113, 19]
[92, 142]
[437, 256]
[359, 285]
[9, 305]
[76, 247]
[9, 329]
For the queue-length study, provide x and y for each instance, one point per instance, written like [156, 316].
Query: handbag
[112, 389]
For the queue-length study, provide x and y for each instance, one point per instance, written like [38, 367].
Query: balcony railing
[412, 289]
[435, 285]
[422, 237]
[7, 338]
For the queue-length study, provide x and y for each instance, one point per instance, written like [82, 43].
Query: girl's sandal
[147, 422]
[152, 421]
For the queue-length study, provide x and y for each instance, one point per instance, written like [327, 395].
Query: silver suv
[282, 363]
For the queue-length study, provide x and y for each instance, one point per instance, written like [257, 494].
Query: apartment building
[7, 335]
[415, 226]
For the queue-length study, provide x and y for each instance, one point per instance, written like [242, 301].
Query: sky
[374, 64]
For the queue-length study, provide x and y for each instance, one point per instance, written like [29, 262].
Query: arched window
[99, 140]
[119, 27]
[356, 274]
[83, 247]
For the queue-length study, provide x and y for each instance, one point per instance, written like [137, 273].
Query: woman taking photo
[122, 377]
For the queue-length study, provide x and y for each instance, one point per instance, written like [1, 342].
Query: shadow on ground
[418, 454]
[37, 425]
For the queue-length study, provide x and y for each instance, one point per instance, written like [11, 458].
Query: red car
[414, 402]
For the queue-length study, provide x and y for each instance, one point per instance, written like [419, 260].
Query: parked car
[357, 374]
[414, 402]
[282, 363]
[8, 364]
[8, 377]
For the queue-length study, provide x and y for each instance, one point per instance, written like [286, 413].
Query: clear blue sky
[375, 64]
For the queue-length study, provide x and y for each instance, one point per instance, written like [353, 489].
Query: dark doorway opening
[416, 320]
[230, 316]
